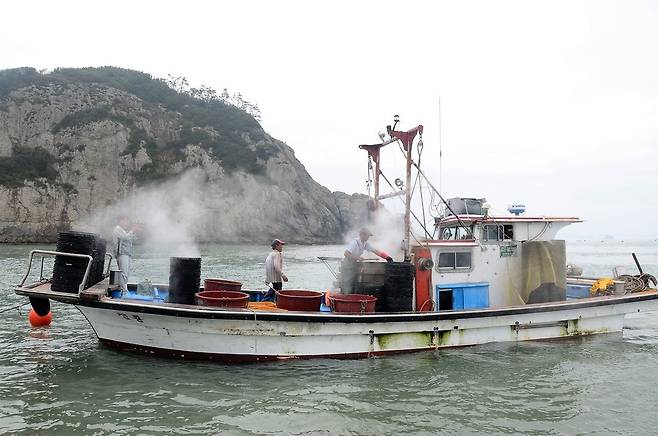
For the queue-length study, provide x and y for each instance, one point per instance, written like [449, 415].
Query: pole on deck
[637, 263]
[407, 139]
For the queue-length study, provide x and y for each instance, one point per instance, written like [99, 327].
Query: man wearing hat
[353, 253]
[274, 268]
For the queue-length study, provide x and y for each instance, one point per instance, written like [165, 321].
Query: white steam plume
[388, 232]
[168, 214]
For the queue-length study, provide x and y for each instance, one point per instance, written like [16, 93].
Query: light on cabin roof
[516, 209]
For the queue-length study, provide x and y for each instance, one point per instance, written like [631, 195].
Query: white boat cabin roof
[497, 229]
[452, 219]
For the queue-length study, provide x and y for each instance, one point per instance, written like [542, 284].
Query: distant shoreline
[305, 243]
[264, 243]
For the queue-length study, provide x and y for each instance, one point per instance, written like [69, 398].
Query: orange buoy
[37, 320]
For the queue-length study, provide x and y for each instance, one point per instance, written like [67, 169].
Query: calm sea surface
[59, 380]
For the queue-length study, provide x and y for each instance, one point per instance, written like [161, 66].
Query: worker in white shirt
[274, 276]
[123, 236]
[353, 253]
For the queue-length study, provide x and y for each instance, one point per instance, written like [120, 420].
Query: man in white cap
[274, 268]
[353, 253]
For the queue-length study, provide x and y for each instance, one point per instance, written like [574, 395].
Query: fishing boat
[475, 278]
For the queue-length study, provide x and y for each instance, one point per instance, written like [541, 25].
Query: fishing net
[544, 276]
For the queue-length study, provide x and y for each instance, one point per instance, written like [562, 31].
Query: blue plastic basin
[578, 291]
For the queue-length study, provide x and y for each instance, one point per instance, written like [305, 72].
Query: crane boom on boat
[406, 139]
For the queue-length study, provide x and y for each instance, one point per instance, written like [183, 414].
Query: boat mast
[407, 139]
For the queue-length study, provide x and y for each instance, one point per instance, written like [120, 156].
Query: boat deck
[97, 295]
[42, 290]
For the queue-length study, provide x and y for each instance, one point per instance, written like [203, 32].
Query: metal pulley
[425, 264]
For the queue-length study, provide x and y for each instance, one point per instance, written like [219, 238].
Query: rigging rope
[420, 147]
[638, 283]
[14, 307]
[370, 175]
[459, 220]
[444, 202]
[411, 211]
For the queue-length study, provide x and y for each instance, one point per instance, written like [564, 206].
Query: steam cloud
[169, 215]
[388, 232]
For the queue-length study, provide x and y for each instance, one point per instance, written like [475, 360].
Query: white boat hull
[251, 335]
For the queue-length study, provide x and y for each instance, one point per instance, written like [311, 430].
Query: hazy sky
[553, 104]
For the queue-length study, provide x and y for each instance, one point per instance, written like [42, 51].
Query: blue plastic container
[136, 296]
[578, 291]
[461, 296]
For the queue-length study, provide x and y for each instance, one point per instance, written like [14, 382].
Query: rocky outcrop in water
[74, 143]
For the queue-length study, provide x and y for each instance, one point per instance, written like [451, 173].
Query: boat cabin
[479, 260]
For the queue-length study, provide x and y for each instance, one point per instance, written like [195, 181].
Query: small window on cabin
[490, 233]
[498, 232]
[447, 233]
[462, 260]
[454, 260]
[446, 260]
[463, 233]
[452, 233]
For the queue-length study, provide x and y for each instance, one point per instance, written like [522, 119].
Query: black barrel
[376, 291]
[98, 266]
[370, 280]
[371, 273]
[93, 271]
[399, 287]
[40, 305]
[184, 279]
[68, 271]
[391, 282]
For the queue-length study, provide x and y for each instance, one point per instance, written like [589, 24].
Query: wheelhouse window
[455, 232]
[497, 232]
[453, 261]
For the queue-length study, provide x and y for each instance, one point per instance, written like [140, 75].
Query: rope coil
[638, 283]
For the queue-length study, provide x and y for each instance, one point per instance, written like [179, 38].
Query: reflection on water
[58, 380]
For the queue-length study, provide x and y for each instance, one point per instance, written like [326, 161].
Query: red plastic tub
[222, 299]
[354, 303]
[308, 301]
[221, 285]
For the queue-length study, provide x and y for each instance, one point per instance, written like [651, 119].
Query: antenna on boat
[440, 150]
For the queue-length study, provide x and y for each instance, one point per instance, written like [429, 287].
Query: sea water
[59, 380]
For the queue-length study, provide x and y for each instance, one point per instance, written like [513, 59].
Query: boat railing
[45, 253]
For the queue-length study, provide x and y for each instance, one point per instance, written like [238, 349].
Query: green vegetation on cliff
[84, 116]
[24, 165]
[224, 124]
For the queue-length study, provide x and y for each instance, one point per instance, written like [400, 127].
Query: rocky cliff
[78, 144]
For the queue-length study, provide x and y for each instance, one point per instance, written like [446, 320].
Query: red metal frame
[374, 151]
